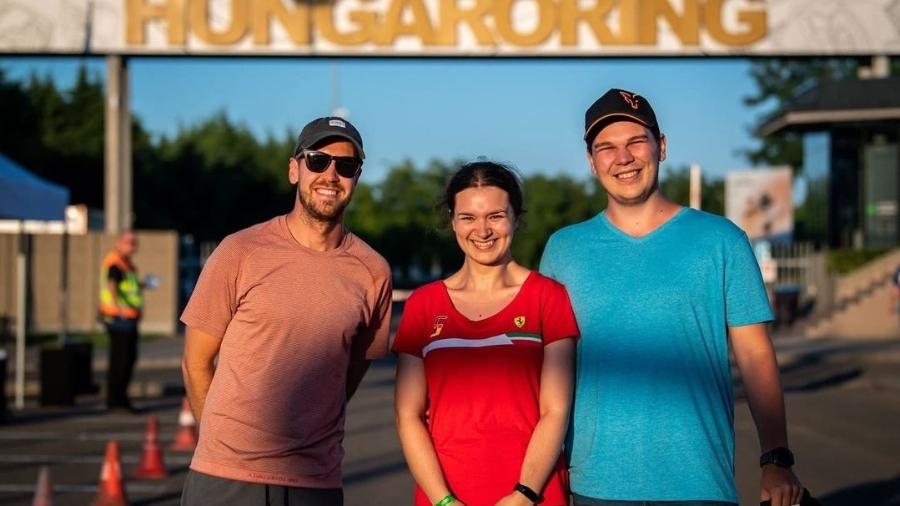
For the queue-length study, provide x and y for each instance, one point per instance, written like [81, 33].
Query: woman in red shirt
[485, 362]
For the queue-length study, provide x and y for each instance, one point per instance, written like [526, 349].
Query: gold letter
[394, 26]
[686, 25]
[138, 12]
[629, 17]
[570, 16]
[324, 18]
[202, 29]
[295, 21]
[546, 23]
[451, 15]
[756, 19]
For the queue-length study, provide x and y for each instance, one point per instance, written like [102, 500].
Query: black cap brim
[605, 120]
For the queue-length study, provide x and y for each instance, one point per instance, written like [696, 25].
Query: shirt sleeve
[547, 267]
[409, 336]
[746, 301]
[376, 335]
[214, 301]
[557, 317]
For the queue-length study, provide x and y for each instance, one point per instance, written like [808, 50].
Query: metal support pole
[696, 186]
[64, 286]
[21, 315]
[117, 159]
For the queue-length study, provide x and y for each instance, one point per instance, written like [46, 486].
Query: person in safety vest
[121, 306]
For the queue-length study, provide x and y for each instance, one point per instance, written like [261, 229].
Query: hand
[514, 499]
[780, 485]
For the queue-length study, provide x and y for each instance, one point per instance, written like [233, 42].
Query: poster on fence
[759, 201]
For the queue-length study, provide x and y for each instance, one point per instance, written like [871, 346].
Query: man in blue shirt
[659, 290]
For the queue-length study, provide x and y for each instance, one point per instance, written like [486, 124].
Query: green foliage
[778, 81]
[399, 218]
[675, 184]
[550, 204]
[844, 261]
[215, 177]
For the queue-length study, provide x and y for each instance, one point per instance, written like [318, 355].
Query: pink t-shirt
[289, 318]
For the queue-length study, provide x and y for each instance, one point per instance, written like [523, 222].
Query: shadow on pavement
[875, 493]
[56, 413]
[809, 374]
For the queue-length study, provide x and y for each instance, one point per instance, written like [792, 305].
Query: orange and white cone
[151, 466]
[43, 494]
[112, 489]
[186, 437]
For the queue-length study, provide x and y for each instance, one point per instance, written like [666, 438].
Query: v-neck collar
[646, 237]
[492, 317]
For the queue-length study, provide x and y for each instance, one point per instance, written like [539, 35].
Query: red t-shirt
[484, 384]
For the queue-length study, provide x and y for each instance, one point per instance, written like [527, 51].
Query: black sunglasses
[318, 162]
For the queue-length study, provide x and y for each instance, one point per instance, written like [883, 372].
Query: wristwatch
[781, 457]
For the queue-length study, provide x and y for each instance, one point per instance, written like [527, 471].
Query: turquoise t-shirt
[653, 413]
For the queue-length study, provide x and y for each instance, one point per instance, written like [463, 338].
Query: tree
[675, 184]
[778, 81]
[212, 179]
[550, 204]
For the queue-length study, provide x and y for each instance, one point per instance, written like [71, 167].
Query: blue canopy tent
[24, 196]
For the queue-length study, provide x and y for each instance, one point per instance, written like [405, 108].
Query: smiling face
[625, 157]
[323, 196]
[484, 223]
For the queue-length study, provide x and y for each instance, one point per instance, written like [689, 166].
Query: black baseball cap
[618, 105]
[331, 126]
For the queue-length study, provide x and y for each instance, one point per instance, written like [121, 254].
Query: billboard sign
[450, 27]
[760, 202]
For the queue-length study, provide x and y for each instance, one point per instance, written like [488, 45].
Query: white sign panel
[759, 201]
[451, 27]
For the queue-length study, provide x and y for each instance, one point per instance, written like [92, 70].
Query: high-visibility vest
[128, 291]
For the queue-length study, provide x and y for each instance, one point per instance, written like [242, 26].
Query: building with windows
[851, 160]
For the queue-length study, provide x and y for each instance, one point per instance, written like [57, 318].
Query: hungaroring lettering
[438, 23]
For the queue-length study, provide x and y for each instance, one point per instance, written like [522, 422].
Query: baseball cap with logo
[618, 105]
[322, 128]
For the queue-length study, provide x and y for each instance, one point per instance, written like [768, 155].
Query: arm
[355, 372]
[372, 342]
[555, 401]
[409, 408]
[759, 371]
[198, 366]
[113, 286]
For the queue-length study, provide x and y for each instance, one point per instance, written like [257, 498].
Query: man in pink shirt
[295, 308]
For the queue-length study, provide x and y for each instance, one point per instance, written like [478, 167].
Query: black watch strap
[528, 492]
[781, 457]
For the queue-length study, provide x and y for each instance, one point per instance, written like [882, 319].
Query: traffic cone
[43, 494]
[151, 465]
[111, 489]
[186, 437]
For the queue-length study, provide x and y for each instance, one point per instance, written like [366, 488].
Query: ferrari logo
[519, 321]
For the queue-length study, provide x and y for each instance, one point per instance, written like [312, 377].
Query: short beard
[329, 215]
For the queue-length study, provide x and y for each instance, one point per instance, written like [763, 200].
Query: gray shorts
[587, 501]
[206, 490]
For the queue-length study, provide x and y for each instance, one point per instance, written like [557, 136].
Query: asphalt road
[843, 406]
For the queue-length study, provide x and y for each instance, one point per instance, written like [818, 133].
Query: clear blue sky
[529, 113]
